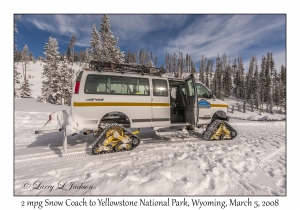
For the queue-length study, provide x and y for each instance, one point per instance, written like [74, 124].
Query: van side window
[203, 92]
[116, 85]
[160, 87]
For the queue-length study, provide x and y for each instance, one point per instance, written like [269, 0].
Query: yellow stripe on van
[118, 104]
[219, 105]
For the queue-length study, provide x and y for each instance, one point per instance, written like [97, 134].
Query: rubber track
[212, 127]
[106, 129]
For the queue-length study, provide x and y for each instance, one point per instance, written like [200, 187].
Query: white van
[138, 101]
[108, 98]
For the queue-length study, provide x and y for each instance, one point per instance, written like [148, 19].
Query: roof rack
[125, 68]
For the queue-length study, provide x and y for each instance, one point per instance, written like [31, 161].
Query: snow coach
[110, 99]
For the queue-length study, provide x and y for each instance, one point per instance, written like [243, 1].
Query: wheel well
[116, 117]
[219, 115]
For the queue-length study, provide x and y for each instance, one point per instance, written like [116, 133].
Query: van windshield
[203, 92]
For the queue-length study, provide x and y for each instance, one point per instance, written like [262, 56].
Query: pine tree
[236, 80]
[155, 60]
[167, 61]
[109, 50]
[65, 83]
[31, 56]
[262, 82]
[276, 95]
[86, 56]
[254, 85]
[211, 74]
[249, 76]
[202, 69]
[95, 44]
[150, 64]
[127, 57]
[51, 73]
[17, 18]
[227, 82]
[25, 60]
[70, 52]
[243, 94]
[174, 58]
[219, 88]
[25, 89]
[268, 84]
[283, 86]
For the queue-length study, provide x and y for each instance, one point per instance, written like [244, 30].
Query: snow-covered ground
[254, 163]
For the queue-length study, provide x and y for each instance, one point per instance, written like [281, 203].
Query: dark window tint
[160, 87]
[104, 84]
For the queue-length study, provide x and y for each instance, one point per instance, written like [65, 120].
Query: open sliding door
[191, 108]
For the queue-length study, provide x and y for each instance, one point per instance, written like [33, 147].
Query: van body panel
[145, 100]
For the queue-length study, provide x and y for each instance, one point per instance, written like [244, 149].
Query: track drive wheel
[233, 134]
[135, 141]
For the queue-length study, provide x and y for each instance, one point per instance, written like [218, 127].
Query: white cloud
[66, 25]
[128, 26]
[217, 34]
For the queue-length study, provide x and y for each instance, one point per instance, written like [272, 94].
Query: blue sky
[209, 35]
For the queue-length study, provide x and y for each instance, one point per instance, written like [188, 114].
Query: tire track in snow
[45, 157]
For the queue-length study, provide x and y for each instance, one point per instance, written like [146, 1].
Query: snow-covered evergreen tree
[254, 84]
[243, 94]
[150, 64]
[25, 90]
[227, 82]
[25, 60]
[283, 86]
[218, 87]
[109, 51]
[269, 84]
[25, 87]
[65, 83]
[51, 72]
[86, 56]
[208, 73]
[70, 52]
[276, 95]
[95, 44]
[262, 83]
[202, 69]
[31, 56]
[17, 18]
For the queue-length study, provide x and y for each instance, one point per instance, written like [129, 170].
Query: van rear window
[116, 85]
